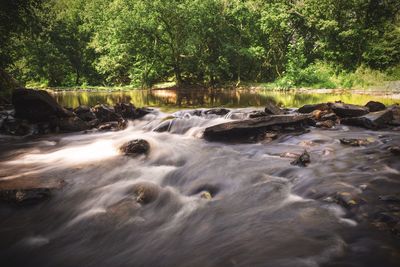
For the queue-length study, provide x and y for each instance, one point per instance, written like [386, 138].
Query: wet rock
[346, 199]
[396, 115]
[164, 126]
[329, 116]
[141, 112]
[105, 114]
[374, 106]
[28, 190]
[85, 113]
[251, 129]
[303, 160]
[205, 195]
[113, 125]
[355, 142]
[126, 110]
[272, 109]
[145, 192]
[325, 124]
[25, 196]
[217, 111]
[317, 114]
[36, 105]
[311, 108]
[348, 110]
[373, 120]
[258, 114]
[72, 124]
[18, 127]
[135, 147]
[395, 150]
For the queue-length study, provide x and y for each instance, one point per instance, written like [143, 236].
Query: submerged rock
[303, 160]
[36, 105]
[250, 129]
[355, 142]
[373, 120]
[205, 195]
[374, 106]
[28, 190]
[325, 124]
[348, 110]
[145, 192]
[395, 150]
[135, 147]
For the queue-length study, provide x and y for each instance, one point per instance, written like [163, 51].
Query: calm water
[173, 100]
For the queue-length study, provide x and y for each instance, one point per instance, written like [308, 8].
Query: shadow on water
[177, 99]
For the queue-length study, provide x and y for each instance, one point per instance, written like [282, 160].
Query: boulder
[373, 120]
[272, 109]
[348, 110]
[258, 114]
[329, 116]
[36, 105]
[135, 147]
[105, 114]
[141, 112]
[247, 130]
[374, 106]
[311, 108]
[72, 124]
[113, 125]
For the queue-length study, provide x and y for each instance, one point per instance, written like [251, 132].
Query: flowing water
[263, 212]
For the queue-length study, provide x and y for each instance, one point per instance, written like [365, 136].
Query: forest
[138, 43]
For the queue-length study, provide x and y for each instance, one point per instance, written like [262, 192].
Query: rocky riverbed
[128, 186]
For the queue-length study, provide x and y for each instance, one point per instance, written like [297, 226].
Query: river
[263, 211]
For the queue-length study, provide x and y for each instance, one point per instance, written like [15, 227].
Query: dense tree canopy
[140, 42]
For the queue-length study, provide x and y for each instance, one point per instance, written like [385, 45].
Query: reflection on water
[173, 99]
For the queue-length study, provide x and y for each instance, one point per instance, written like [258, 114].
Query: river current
[263, 211]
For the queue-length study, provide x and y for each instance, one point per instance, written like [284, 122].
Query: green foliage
[309, 43]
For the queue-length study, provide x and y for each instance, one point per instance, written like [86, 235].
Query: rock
[28, 190]
[126, 110]
[303, 160]
[72, 124]
[272, 109]
[113, 125]
[36, 105]
[317, 114]
[325, 124]
[374, 106]
[348, 110]
[105, 114]
[373, 120]
[17, 127]
[164, 126]
[257, 114]
[311, 108]
[205, 195]
[395, 150]
[141, 112]
[396, 115]
[245, 130]
[329, 116]
[346, 199]
[217, 111]
[145, 192]
[84, 113]
[355, 142]
[135, 147]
